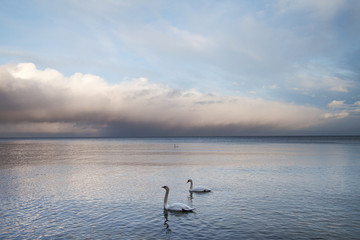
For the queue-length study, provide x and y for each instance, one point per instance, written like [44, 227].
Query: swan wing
[179, 207]
[200, 189]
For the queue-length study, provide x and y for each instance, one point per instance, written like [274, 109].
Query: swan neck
[191, 184]
[166, 197]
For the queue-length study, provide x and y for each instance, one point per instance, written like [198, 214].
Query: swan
[197, 188]
[175, 206]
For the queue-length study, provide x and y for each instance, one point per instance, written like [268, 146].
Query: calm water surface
[263, 188]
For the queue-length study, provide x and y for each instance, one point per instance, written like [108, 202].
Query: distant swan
[175, 206]
[197, 188]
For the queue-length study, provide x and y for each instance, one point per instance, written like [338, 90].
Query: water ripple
[112, 190]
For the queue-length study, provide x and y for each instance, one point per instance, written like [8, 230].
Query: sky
[147, 68]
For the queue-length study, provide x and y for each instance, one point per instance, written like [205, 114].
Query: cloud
[45, 101]
[323, 9]
[202, 45]
[317, 78]
[19, 129]
[338, 115]
[342, 105]
[342, 110]
[165, 40]
[335, 103]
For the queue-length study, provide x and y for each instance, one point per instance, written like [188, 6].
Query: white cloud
[342, 110]
[339, 115]
[187, 42]
[192, 41]
[46, 96]
[161, 40]
[336, 84]
[336, 103]
[339, 89]
[315, 78]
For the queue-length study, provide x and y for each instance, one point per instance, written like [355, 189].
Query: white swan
[175, 206]
[197, 188]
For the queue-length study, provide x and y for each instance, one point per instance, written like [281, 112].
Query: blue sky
[227, 67]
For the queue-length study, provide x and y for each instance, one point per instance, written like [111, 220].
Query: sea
[111, 188]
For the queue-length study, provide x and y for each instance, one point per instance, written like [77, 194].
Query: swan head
[165, 187]
[189, 181]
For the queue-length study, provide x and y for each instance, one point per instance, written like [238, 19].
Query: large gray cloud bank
[37, 102]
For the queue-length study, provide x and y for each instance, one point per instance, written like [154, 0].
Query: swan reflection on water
[166, 214]
[173, 213]
[191, 196]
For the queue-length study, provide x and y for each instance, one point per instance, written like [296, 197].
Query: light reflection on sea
[279, 188]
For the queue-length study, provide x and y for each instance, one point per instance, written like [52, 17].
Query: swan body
[179, 207]
[197, 188]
